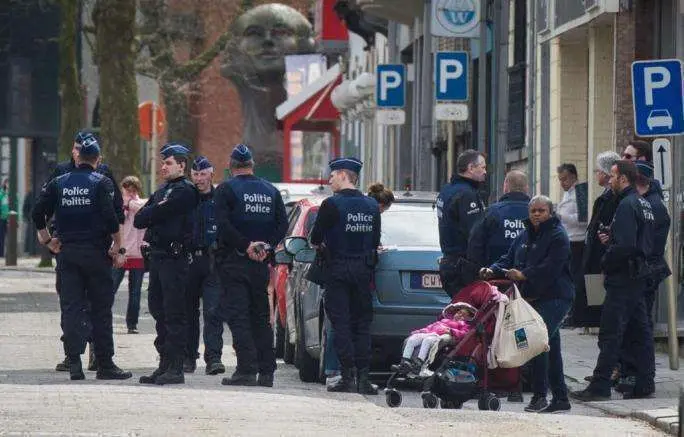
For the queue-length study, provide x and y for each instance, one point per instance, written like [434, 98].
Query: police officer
[459, 207]
[630, 242]
[86, 223]
[67, 167]
[658, 267]
[503, 221]
[168, 216]
[250, 214]
[203, 280]
[347, 228]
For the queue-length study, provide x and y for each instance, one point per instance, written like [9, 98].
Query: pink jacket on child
[457, 328]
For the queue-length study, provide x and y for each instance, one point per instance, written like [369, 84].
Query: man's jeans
[135, 280]
[547, 368]
[332, 363]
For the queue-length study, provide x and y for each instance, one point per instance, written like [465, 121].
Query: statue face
[263, 36]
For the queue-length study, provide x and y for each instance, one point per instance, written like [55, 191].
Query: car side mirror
[282, 257]
[295, 244]
[305, 256]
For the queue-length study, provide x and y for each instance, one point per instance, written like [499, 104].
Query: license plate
[425, 280]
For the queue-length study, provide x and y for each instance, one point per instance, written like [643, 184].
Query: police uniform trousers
[624, 314]
[203, 282]
[84, 284]
[349, 305]
[167, 302]
[630, 362]
[244, 305]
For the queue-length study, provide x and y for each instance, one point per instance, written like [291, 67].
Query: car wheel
[288, 348]
[307, 365]
[278, 335]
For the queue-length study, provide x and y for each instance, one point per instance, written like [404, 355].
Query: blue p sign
[389, 87]
[657, 96]
[451, 76]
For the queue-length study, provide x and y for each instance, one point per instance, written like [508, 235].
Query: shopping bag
[520, 334]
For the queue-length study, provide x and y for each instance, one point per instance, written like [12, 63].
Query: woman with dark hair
[385, 198]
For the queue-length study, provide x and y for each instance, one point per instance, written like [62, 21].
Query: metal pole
[426, 160]
[500, 108]
[153, 153]
[482, 81]
[11, 248]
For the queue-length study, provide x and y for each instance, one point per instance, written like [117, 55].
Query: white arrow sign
[662, 162]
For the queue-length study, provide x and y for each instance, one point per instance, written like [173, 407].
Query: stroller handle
[501, 282]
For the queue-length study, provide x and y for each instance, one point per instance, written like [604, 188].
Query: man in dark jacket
[630, 241]
[491, 237]
[459, 207]
[539, 260]
[601, 216]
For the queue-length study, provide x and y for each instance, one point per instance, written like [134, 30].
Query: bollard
[11, 246]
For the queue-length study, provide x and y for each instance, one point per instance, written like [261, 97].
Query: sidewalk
[28, 264]
[579, 358]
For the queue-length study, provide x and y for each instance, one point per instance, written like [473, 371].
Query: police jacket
[69, 166]
[168, 214]
[81, 201]
[348, 224]
[248, 208]
[631, 235]
[543, 256]
[459, 207]
[602, 214]
[204, 223]
[503, 221]
[656, 260]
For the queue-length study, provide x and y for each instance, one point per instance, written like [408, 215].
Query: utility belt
[173, 249]
[370, 259]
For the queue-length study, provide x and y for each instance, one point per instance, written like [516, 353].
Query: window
[410, 225]
[292, 219]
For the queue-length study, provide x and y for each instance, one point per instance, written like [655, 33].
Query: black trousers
[166, 301]
[244, 305]
[84, 284]
[349, 305]
[203, 283]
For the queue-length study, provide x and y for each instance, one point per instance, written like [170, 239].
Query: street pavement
[37, 401]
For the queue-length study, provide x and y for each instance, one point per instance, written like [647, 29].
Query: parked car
[300, 222]
[292, 192]
[408, 292]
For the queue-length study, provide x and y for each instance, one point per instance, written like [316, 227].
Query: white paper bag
[520, 334]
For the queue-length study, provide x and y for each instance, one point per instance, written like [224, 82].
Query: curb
[28, 269]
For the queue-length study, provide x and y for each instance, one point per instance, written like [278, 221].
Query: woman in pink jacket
[454, 322]
[132, 239]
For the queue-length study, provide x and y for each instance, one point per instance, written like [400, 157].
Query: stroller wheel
[489, 401]
[393, 398]
[429, 400]
[450, 404]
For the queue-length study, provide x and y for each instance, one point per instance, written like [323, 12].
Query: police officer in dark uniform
[503, 221]
[168, 218]
[347, 229]
[250, 214]
[459, 207]
[85, 223]
[652, 192]
[67, 167]
[630, 243]
[203, 280]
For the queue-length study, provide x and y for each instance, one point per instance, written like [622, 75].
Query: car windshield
[660, 113]
[410, 225]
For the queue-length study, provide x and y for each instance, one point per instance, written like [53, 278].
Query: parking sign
[657, 97]
[389, 87]
[451, 76]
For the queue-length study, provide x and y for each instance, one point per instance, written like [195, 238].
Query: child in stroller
[452, 326]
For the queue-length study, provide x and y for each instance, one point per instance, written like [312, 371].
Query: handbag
[520, 334]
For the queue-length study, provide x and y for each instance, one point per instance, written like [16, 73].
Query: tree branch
[191, 69]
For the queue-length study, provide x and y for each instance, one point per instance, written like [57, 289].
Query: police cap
[89, 147]
[241, 153]
[351, 164]
[81, 136]
[201, 163]
[174, 149]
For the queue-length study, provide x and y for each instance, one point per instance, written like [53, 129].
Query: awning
[311, 108]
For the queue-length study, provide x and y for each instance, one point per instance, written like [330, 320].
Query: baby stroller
[460, 370]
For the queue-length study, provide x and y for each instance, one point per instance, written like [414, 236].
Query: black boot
[92, 362]
[63, 366]
[108, 370]
[345, 383]
[174, 373]
[239, 378]
[76, 368]
[189, 365]
[363, 384]
[152, 379]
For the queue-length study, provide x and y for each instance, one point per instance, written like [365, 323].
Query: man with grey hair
[601, 216]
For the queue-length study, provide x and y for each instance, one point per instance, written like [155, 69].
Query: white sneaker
[331, 380]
